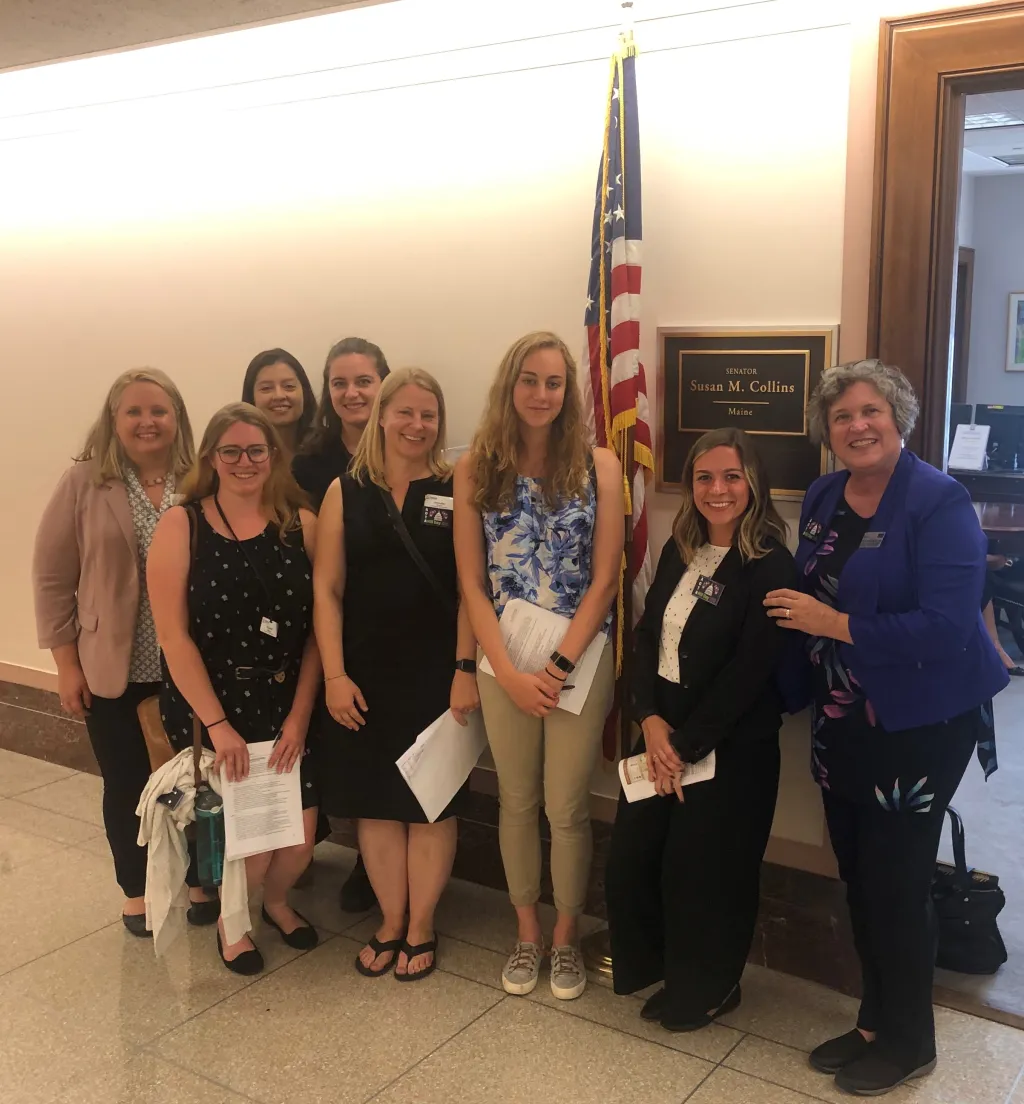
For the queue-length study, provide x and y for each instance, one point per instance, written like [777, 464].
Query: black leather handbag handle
[959, 846]
[397, 521]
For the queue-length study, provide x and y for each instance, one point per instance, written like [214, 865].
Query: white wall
[441, 218]
[965, 213]
[998, 270]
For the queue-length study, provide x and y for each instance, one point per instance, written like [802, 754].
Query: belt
[261, 673]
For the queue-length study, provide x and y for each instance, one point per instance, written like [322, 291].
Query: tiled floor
[90, 1016]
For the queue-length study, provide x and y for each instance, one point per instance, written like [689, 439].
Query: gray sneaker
[519, 976]
[568, 976]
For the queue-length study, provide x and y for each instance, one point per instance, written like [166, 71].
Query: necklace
[158, 482]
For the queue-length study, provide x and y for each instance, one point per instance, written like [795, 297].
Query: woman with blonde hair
[398, 653]
[92, 609]
[539, 515]
[235, 622]
[682, 880]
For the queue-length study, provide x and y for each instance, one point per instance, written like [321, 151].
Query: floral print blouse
[538, 553]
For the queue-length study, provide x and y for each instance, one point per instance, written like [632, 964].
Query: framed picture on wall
[758, 380]
[1015, 333]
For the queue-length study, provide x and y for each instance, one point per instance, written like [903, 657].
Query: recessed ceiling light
[1009, 158]
[983, 119]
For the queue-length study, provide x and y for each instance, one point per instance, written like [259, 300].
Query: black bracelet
[223, 720]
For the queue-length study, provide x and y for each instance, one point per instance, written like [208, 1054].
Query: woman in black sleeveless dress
[235, 628]
[390, 638]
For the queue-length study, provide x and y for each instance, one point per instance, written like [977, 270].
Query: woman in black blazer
[684, 866]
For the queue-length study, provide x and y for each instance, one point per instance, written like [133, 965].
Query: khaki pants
[551, 760]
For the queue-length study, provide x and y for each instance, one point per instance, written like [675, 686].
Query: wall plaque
[756, 380]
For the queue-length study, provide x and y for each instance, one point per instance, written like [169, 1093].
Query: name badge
[872, 540]
[437, 511]
[812, 530]
[268, 627]
[708, 589]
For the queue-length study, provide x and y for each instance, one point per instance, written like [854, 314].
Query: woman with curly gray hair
[899, 673]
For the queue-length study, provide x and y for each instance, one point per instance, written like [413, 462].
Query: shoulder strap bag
[446, 599]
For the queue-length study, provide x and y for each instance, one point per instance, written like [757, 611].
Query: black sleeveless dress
[399, 642]
[254, 675]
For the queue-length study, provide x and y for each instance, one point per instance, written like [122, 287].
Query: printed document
[970, 443]
[638, 787]
[531, 634]
[438, 764]
[264, 811]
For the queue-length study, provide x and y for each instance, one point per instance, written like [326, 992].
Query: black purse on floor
[967, 903]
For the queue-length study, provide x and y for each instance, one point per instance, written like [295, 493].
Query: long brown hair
[103, 447]
[326, 428]
[281, 497]
[494, 453]
[760, 523]
[368, 461]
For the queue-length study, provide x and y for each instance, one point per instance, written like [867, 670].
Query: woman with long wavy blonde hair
[539, 516]
[92, 611]
[234, 619]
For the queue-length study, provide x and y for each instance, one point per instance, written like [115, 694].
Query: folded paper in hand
[637, 786]
[531, 634]
[438, 764]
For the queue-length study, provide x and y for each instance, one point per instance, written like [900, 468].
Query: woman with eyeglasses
[235, 624]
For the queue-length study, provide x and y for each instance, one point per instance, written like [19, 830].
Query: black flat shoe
[202, 913]
[731, 1002]
[1015, 671]
[302, 939]
[839, 1052]
[876, 1074]
[247, 963]
[654, 1007]
[136, 925]
[357, 894]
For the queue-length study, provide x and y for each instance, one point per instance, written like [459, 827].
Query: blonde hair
[102, 446]
[494, 453]
[368, 461]
[759, 524]
[281, 498]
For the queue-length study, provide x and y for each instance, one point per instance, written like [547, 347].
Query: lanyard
[248, 559]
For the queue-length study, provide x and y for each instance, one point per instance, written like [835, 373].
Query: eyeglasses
[231, 454]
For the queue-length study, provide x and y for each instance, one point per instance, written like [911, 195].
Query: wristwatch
[466, 665]
[556, 659]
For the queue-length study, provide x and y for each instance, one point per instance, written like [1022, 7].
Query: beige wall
[441, 219]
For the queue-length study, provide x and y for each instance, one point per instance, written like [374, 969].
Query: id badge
[872, 540]
[268, 627]
[437, 511]
[812, 530]
[708, 590]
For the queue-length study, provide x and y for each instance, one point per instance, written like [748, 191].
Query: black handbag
[967, 903]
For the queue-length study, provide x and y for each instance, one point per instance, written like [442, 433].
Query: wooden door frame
[961, 335]
[927, 64]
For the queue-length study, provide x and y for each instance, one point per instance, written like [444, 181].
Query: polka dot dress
[680, 605]
[227, 602]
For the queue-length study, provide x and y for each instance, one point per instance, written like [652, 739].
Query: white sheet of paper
[263, 812]
[531, 634]
[438, 764]
[638, 787]
[970, 443]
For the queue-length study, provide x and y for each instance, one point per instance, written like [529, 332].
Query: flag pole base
[597, 952]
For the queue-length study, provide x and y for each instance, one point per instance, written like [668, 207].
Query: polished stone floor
[90, 1017]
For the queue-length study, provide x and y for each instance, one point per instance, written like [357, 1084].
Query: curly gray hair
[887, 380]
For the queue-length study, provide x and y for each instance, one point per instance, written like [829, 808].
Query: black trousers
[683, 879]
[887, 860]
[120, 750]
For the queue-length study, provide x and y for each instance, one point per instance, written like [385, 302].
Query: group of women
[318, 574]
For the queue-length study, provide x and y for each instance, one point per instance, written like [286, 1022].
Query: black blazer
[316, 471]
[727, 653]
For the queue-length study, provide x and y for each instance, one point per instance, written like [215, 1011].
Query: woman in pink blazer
[92, 610]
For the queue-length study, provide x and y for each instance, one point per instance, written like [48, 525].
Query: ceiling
[33, 31]
[984, 146]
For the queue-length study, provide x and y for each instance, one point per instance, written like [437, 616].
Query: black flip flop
[411, 953]
[379, 948]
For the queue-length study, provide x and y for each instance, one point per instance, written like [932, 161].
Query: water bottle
[209, 809]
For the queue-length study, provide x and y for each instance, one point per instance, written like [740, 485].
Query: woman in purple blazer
[899, 672]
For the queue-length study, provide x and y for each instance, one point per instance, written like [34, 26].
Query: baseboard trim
[802, 856]
[28, 676]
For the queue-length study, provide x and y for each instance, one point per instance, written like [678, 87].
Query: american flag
[613, 381]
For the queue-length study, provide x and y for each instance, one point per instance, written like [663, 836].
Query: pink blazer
[85, 577]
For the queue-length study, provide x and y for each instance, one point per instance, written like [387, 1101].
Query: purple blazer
[921, 651]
